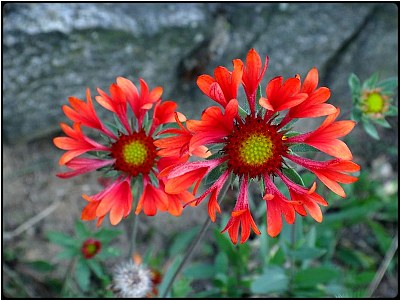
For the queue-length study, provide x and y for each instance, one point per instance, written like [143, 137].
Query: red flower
[325, 137]
[314, 105]
[282, 95]
[212, 117]
[277, 205]
[129, 153]
[259, 146]
[115, 200]
[225, 85]
[308, 200]
[76, 144]
[330, 172]
[139, 102]
[178, 145]
[241, 217]
[90, 248]
[85, 114]
[185, 174]
[252, 76]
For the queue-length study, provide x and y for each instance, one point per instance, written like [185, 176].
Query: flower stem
[67, 275]
[292, 260]
[383, 267]
[132, 243]
[134, 227]
[193, 245]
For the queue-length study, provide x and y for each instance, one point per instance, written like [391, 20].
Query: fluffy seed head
[131, 281]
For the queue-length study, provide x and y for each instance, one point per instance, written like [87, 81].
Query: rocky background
[52, 51]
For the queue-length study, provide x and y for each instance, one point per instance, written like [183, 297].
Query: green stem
[134, 227]
[383, 267]
[292, 260]
[132, 243]
[70, 269]
[193, 245]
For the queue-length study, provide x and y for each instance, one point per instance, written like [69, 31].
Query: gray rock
[53, 51]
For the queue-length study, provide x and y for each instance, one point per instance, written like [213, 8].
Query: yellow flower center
[256, 150]
[91, 248]
[134, 153]
[374, 103]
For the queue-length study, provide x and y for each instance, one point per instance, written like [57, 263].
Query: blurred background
[53, 51]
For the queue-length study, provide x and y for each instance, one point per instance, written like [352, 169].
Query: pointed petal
[336, 148]
[310, 82]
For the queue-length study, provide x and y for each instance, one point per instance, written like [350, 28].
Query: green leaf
[68, 253]
[200, 271]
[356, 279]
[215, 174]
[307, 253]
[264, 244]
[41, 265]
[371, 81]
[181, 288]
[353, 258]
[259, 93]
[62, 239]
[353, 214]
[113, 127]
[168, 275]
[106, 235]
[273, 280]
[303, 148]
[95, 267]
[382, 122]
[242, 112]
[314, 276]
[355, 84]
[225, 245]
[388, 85]
[356, 114]
[108, 253]
[81, 230]
[370, 129]
[211, 293]
[288, 126]
[293, 175]
[221, 263]
[393, 111]
[381, 235]
[311, 237]
[82, 274]
[292, 134]
[182, 241]
[278, 257]
[258, 96]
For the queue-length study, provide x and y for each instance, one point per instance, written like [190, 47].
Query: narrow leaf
[370, 129]
[293, 175]
[272, 280]
[82, 274]
[354, 83]
[371, 81]
[388, 85]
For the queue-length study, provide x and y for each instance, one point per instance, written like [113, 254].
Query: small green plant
[372, 102]
[87, 253]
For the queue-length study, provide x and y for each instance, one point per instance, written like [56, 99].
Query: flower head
[90, 248]
[131, 280]
[372, 102]
[127, 150]
[260, 146]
